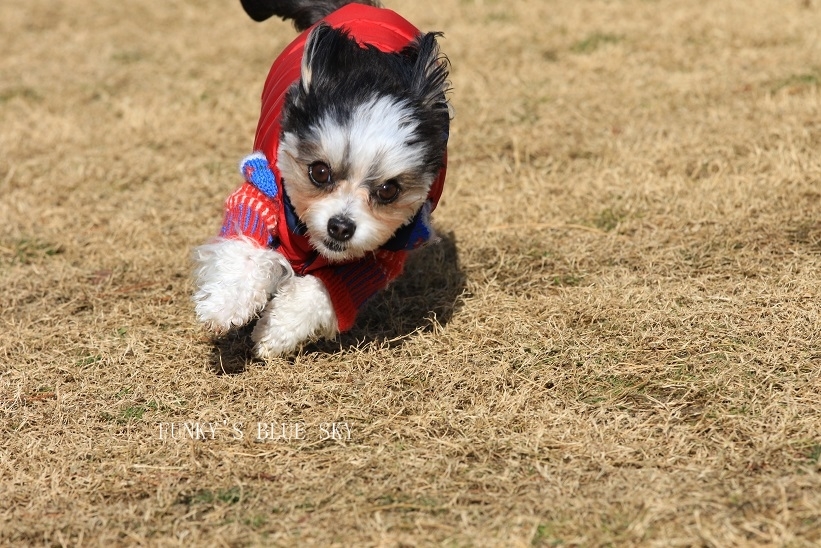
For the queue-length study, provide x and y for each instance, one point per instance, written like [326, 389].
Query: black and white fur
[377, 124]
[380, 121]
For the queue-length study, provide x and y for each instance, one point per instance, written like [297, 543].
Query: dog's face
[363, 137]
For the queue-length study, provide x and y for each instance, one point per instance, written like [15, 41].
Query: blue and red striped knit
[260, 209]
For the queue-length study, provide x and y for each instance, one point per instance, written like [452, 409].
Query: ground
[616, 343]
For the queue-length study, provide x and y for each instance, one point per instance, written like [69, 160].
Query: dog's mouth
[337, 251]
[333, 250]
[335, 246]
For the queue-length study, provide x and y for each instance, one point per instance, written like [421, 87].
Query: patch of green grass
[386, 500]
[86, 361]
[22, 92]
[256, 522]
[128, 57]
[133, 413]
[429, 504]
[608, 219]
[613, 388]
[545, 536]
[806, 233]
[28, 250]
[581, 154]
[594, 41]
[499, 17]
[528, 110]
[616, 524]
[566, 280]
[230, 496]
[807, 79]
[814, 454]
[205, 496]
[550, 55]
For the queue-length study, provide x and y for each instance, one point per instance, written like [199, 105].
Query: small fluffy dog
[349, 161]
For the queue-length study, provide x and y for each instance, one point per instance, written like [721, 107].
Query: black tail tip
[258, 10]
[303, 13]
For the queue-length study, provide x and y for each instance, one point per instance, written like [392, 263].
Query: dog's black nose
[341, 229]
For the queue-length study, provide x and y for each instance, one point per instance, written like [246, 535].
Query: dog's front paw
[300, 311]
[235, 277]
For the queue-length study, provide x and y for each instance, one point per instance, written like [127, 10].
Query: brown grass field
[616, 344]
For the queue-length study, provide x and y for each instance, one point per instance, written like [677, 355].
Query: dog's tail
[304, 13]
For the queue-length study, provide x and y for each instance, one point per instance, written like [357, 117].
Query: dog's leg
[235, 277]
[300, 311]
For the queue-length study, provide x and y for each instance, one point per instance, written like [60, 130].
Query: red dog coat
[261, 211]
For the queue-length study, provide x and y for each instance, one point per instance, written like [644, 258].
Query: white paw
[234, 278]
[300, 311]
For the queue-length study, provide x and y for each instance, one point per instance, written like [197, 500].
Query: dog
[349, 161]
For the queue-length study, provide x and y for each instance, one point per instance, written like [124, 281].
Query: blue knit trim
[295, 224]
[243, 220]
[247, 222]
[414, 234]
[257, 171]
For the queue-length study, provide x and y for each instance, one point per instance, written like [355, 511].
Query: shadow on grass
[232, 352]
[427, 294]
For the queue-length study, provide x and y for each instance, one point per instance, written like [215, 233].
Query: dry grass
[617, 343]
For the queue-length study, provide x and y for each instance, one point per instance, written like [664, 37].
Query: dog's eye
[320, 173]
[387, 191]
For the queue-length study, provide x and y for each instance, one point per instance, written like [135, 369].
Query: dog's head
[363, 138]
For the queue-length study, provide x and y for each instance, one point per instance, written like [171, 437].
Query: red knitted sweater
[260, 210]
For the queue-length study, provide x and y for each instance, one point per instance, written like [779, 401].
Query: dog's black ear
[430, 71]
[313, 46]
[325, 49]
